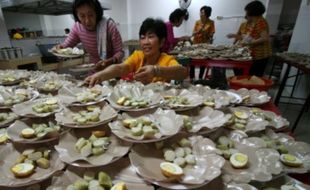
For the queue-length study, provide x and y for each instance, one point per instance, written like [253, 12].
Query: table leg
[303, 109]
[246, 71]
[282, 85]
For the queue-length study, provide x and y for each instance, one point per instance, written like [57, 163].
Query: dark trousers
[201, 72]
[257, 68]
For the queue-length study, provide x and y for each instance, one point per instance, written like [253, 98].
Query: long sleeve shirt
[89, 40]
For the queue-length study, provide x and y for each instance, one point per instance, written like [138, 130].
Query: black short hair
[155, 26]
[95, 4]
[207, 10]
[177, 15]
[255, 8]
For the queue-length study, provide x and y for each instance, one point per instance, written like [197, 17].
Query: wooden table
[16, 63]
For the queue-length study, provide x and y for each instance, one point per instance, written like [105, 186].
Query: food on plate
[94, 146]
[187, 123]
[70, 51]
[238, 160]
[19, 96]
[171, 170]
[174, 101]
[225, 147]
[9, 78]
[93, 181]
[238, 120]
[48, 106]
[289, 187]
[253, 80]
[275, 144]
[270, 188]
[141, 126]
[290, 160]
[209, 103]
[3, 136]
[180, 154]
[39, 130]
[50, 86]
[132, 102]
[10, 116]
[23, 170]
[89, 95]
[85, 116]
[27, 162]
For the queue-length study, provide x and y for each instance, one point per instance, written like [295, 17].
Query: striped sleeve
[73, 37]
[116, 42]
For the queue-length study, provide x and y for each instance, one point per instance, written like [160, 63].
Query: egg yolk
[240, 158]
[289, 158]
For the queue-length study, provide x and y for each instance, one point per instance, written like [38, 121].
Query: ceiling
[44, 7]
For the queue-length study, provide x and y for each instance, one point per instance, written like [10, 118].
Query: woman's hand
[102, 64]
[57, 47]
[94, 79]
[145, 74]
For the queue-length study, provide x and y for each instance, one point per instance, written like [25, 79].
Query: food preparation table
[301, 68]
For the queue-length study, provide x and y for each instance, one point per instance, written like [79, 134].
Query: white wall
[55, 25]
[4, 37]
[300, 42]
[273, 14]
[119, 15]
[138, 10]
[19, 20]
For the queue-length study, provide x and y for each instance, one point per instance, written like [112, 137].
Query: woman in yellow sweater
[148, 65]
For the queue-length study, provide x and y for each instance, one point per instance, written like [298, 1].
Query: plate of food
[12, 96]
[181, 100]
[42, 107]
[242, 118]
[110, 178]
[204, 120]
[30, 166]
[248, 159]
[177, 163]
[153, 127]
[133, 97]
[91, 150]
[82, 96]
[35, 131]
[86, 117]
[252, 97]
[68, 52]
[294, 155]
[218, 98]
[13, 77]
[83, 67]
[6, 118]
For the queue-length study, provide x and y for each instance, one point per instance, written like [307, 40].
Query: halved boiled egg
[28, 133]
[22, 170]
[171, 169]
[290, 160]
[241, 114]
[119, 186]
[239, 160]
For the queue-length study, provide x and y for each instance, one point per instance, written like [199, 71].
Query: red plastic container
[237, 85]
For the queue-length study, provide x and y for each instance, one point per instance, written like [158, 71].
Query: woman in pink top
[98, 34]
[175, 20]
